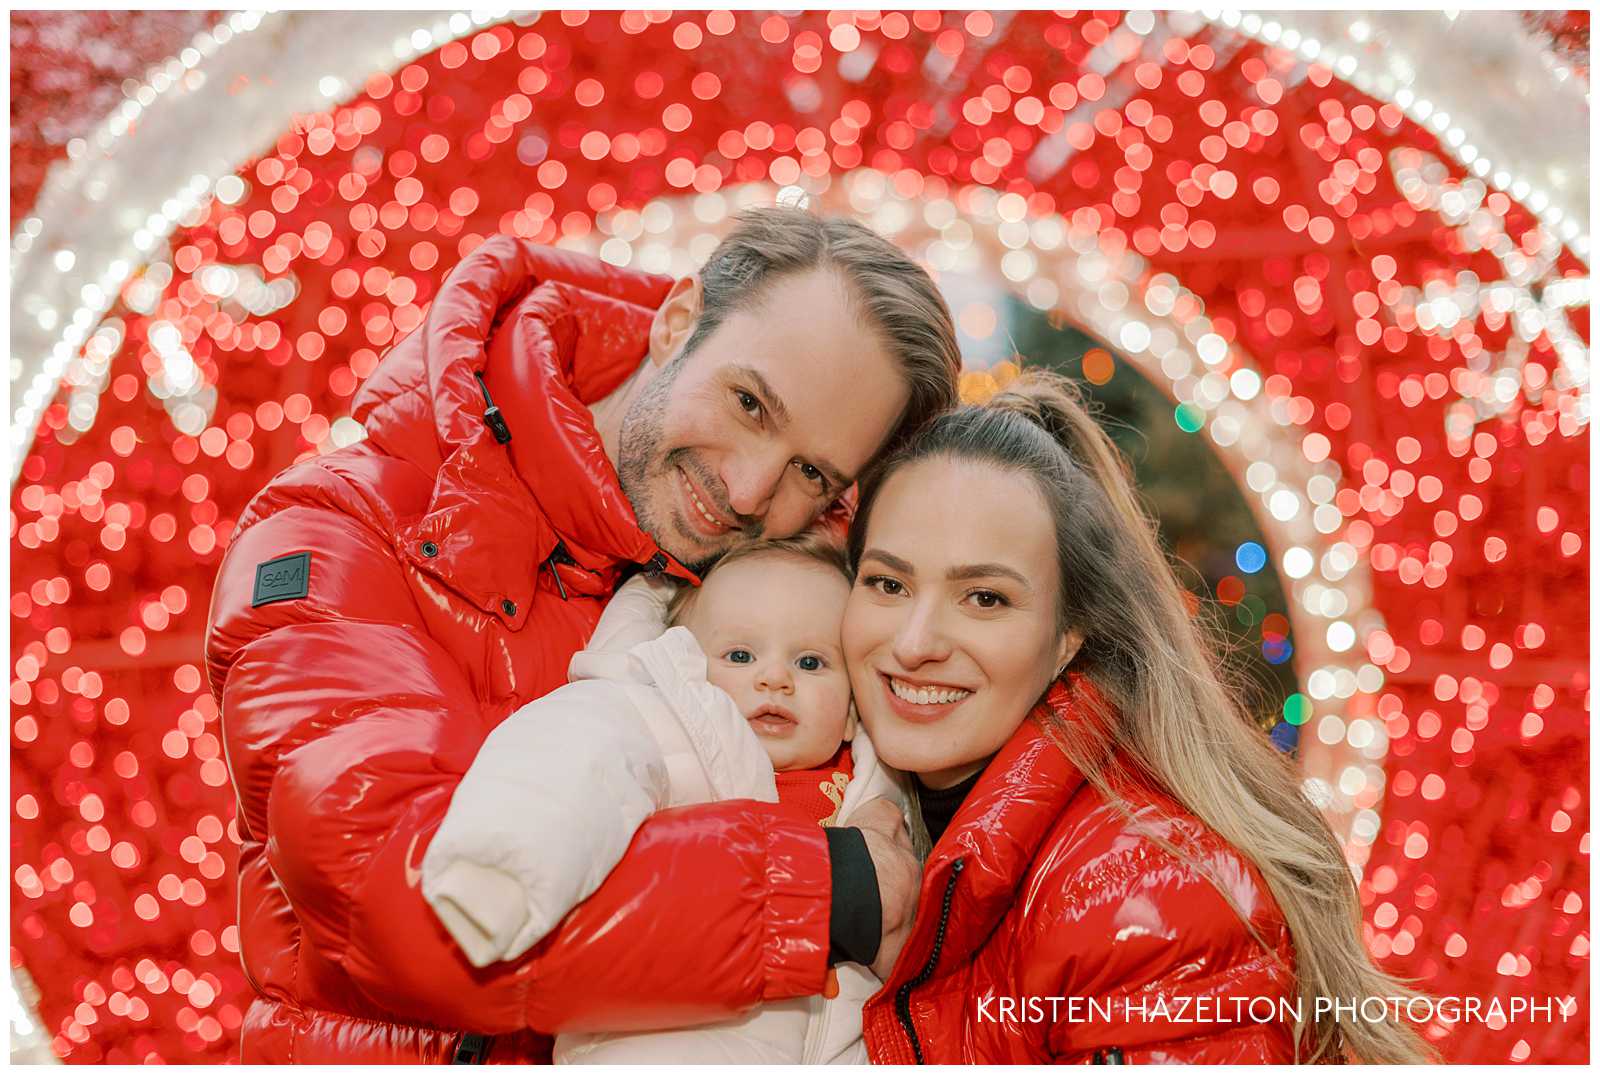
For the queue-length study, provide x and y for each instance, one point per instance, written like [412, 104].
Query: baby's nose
[775, 676]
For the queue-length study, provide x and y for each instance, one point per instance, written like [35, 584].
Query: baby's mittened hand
[482, 907]
[654, 593]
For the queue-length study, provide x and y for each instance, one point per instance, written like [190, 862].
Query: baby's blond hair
[809, 545]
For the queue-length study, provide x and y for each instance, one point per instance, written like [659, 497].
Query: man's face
[768, 420]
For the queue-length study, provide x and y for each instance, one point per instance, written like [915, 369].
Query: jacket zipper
[902, 996]
[471, 1049]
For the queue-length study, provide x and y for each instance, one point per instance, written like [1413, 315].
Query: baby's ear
[851, 722]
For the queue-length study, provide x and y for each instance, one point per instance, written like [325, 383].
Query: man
[555, 423]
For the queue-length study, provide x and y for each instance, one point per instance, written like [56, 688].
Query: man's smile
[706, 520]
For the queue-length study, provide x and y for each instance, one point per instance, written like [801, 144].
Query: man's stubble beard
[639, 447]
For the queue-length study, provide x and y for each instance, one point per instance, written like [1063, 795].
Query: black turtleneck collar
[939, 805]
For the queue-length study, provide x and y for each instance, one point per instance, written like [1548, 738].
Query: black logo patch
[283, 579]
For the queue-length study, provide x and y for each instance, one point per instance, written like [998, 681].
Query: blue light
[1277, 650]
[1250, 557]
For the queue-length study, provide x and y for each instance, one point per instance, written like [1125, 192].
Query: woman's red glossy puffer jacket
[1053, 927]
[446, 578]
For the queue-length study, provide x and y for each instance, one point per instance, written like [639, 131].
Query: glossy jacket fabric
[1041, 889]
[451, 578]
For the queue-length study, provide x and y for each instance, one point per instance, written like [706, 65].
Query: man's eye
[748, 403]
[740, 656]
[810, 663]
[811, 474]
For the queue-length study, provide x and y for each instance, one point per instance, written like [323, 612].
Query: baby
[745, 696]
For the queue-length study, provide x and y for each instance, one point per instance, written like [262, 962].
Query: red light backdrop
[1273, 191]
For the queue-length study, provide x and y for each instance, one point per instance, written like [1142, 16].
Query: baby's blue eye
[810, 664]
[741, 656]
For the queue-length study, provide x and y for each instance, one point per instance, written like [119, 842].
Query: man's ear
[675, 320]
[851, 722]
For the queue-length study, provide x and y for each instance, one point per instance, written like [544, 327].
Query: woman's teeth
[925, 695]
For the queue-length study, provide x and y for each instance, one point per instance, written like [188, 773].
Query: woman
[1124, 871]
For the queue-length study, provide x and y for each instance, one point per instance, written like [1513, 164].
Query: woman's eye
[748, 403]
[810, 663]
[885, 585]
[740, 656]
[988, 599]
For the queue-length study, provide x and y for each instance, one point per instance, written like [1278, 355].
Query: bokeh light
[1383, 337]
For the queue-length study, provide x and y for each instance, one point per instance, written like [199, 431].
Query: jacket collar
[560, 351]
[998, 832]
[500, 515]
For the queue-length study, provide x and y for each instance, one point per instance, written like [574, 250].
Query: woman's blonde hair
[1171, 710]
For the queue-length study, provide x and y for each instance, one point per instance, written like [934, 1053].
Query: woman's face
[951, 632]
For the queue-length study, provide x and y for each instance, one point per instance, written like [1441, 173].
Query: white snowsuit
[554, 797]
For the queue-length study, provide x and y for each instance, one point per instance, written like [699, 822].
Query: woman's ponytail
[1056, 404]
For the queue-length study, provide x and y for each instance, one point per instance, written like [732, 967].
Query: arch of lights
[78, 250]
[75, 262]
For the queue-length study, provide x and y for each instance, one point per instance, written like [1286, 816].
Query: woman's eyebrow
[893, 563]
[955, 574]
[986, 571]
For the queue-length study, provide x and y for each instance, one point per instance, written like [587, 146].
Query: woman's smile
[921, 702]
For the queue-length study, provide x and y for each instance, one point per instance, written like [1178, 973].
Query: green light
[1297, 709]
[1189, 417]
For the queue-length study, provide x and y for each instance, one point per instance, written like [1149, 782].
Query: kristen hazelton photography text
[529, 528]
[1232, 1011]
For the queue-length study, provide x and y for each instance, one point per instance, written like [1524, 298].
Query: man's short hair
[812, 545]
[891, 293]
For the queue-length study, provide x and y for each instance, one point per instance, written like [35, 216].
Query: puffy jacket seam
[1232, 972]
[1164, 987]
[1187, 1041]
[304, 495]
[306, 1014]
[418, 388]
[294, 978]
[378, 512]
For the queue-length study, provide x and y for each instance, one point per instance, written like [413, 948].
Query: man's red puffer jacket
[448, 580]
[1052, 928]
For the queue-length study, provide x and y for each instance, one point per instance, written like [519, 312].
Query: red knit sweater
[819, 792]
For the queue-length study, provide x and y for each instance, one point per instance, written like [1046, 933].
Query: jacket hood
[549, 332]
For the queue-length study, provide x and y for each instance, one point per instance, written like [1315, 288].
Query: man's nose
[921, 637]
[752, 480]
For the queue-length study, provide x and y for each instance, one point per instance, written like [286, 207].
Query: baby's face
[769, 626]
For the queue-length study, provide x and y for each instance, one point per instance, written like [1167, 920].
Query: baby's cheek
[838, 707]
